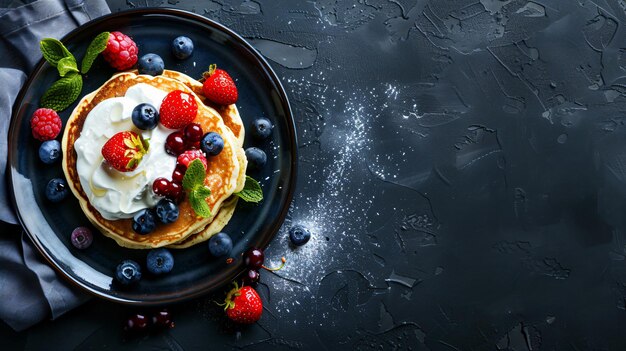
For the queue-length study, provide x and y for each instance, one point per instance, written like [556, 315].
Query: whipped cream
[115, 194]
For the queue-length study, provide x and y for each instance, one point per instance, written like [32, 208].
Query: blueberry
[151, 64]
[220, 245]
[166, 211]
[261, 128]
[81, 237]
[159, 261]
[182, 47]
[56, 190]
[145, 116]
[212, 143]
[299, 235]
[256, 158]
[50, 151]
[128, 272]
[144, 221]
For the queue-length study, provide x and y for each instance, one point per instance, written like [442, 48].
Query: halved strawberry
[243, 305]
[124, 150]
[219, 87]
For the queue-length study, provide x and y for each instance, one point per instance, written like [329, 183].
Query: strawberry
[124, 151]
[178, 109]
[219, 87]
[243, 305]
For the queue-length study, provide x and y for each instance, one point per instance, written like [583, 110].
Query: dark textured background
[462, 167]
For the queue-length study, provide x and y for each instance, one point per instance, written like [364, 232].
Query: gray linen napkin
[30, 290]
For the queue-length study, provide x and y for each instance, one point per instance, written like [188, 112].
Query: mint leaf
[67, 64]
[194, 175]
[97, 45]
[53, 50]
[63, 92]
[197, 199]
[251, 191]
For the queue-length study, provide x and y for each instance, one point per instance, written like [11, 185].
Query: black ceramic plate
[195, 272]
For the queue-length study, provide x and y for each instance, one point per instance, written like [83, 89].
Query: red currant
[193, 133]
[161, 186]
[177, 176]
[175, 143]
[162, 319]
[136, 323]
[251, 277]
[253, 258]
[174, 191]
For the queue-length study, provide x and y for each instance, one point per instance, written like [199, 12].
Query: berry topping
[163, 319]
[220, 245]
[45, 124]
[121, 51]
[166, 211]
[212, 144]
[256, 158]
[50, 151]
[136, 323]
[159, 261]
[174, 191]
[81, 237]
[124, 151]
[253, 258]
[151, 64]
[144, 221]
[186, 157]
[299, 235]
[251, 277]
[243, 305]
[192, 133]
[145, 116]
[56, 189]
[261, 128]
[179, 174]
[178, 109]
[128, 272]
[182, 47]
[161, 186]
[219, 87]
[175, 143]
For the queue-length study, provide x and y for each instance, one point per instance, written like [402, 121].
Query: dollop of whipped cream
[115, 194]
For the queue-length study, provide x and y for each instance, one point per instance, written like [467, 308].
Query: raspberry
[186, 157]
[45, 124]
[178, 109]
[121, 51]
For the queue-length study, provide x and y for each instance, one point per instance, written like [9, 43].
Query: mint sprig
[193, 182]
[251, 191]
[67, 89]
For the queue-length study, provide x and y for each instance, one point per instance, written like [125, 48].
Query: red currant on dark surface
[175, 143]
[163, 319]
[253, 258]
[136, 323]
[251, 277]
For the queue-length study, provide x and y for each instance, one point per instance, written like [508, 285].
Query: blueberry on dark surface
[212, 144]
[220, 245]
[144, 222]
[261, 128]
[56, 189]
[299, 235]
[81, 237]
[256, 158]
[50, 151]
[166, 211]
[253, 258]
[151, 64]
[159, 261]
[145, 116]
[182, 47]
[128, 272]
[251, 277]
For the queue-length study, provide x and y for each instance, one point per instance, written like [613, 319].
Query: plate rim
[291, 131]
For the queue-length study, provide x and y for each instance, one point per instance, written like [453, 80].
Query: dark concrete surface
[462, 168]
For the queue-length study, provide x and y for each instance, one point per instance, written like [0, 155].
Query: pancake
[225, 174]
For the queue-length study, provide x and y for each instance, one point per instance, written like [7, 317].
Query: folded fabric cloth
[30, 290]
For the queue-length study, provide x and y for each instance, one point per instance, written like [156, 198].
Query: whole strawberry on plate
[243, 305]
[219, 87]
[125, 150]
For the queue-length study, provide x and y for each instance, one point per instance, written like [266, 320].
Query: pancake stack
[225, 174]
